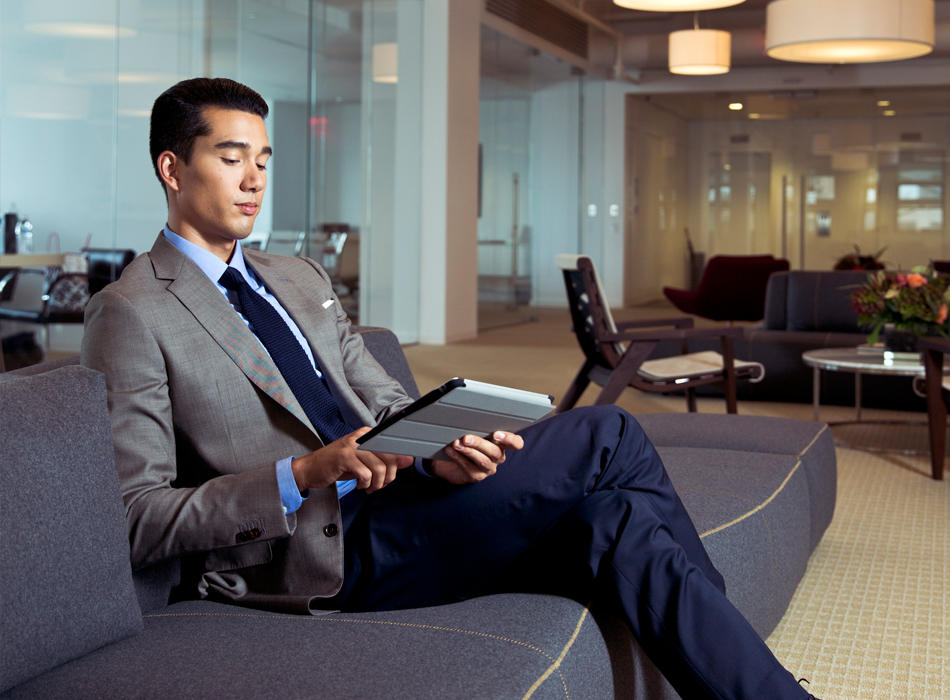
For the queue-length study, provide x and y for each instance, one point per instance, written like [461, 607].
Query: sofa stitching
[768, 530]
[757, 508]
[555, 663]
[556, 666]
[365, 622]
[814, 439]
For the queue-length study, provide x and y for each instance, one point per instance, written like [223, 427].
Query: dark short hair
[178, 118]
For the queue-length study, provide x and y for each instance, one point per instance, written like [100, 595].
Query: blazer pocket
[241, 557]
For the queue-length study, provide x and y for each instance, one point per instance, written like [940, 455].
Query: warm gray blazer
[200, 415]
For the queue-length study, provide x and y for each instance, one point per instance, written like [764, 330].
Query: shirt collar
[211, 264]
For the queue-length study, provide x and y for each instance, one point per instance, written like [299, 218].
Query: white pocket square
[327, 303]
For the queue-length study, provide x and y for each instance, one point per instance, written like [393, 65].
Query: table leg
[815, 391]
[857, 397]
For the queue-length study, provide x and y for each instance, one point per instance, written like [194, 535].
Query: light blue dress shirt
[214, 267]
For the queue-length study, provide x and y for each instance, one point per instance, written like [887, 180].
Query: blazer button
[331, 530]
[255, 533]
[242, 537]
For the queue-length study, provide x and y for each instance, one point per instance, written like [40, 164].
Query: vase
[900, 341]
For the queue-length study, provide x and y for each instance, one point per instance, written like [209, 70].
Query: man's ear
[168, 170]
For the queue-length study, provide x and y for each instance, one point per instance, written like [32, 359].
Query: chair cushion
[66, 583]
[494, 647]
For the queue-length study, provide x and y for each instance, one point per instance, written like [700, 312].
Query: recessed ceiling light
[735, 106]
[676, 5]
[889, 112]
[754, 115]
[883, 103]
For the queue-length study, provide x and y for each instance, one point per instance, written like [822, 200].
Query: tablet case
[457, 408]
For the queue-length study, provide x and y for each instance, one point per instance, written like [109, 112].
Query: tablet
[457, 408]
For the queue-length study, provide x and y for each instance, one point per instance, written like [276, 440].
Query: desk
[38, 260]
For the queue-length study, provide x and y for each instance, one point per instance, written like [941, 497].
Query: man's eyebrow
[244, 146]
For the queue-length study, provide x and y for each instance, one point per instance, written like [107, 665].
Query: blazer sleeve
[163, 520]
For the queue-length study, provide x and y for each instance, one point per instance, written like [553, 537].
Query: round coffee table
[860, 363]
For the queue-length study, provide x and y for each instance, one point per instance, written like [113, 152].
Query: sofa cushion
[66, 583]
[821, 301]
[494, 647]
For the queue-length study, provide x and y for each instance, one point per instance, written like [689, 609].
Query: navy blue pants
[585, 510]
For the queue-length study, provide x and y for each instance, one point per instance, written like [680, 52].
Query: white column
[449, 160]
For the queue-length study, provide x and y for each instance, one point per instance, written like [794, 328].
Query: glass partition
[342, 80]
[529, 171]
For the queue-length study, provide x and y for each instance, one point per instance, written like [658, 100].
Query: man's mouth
[248, 207]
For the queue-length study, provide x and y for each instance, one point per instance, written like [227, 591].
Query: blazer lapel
[209, 307]
[319, 328]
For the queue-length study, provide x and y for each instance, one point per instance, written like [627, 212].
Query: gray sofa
[807, 310]
[78, 623]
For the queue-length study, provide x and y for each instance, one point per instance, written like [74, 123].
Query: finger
[465, 471]
[473, 459]
[377, 468]
[508, 441]
[475, 448]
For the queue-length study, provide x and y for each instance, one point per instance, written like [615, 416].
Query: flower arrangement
[856, 261]
[915, 302]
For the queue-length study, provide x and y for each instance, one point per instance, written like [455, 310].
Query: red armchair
[732, 288]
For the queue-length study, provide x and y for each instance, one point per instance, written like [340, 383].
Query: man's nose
[254, 180]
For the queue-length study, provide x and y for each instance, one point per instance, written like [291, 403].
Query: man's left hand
[474, 458]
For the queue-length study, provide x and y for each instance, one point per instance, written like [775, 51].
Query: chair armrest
[680, 334]
[678, 322]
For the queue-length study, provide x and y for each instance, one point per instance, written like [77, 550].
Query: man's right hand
[341, 461]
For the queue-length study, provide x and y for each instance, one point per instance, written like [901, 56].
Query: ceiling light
[735, 106]
[849, 31]
[386, 62]
[700, 52]
[676, 5]
[889, 112]
[754, 115]
[82, 20]
[80, 30]
[883, 103]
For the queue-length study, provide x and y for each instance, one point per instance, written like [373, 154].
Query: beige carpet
[869, 620]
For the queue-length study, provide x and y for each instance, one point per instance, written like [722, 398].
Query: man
[236, 394]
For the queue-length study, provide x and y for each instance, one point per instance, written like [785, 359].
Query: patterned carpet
[870, 618]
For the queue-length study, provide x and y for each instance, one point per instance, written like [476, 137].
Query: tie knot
[231, 279]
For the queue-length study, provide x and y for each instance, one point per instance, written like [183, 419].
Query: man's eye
[229, 161]
[262, 167]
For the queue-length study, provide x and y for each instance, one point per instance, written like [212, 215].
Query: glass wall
[529, 168]
[342, 79]
[877, 183]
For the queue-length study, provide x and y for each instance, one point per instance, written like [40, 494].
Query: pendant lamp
[676, 5]
[849, 31]
[700, 51]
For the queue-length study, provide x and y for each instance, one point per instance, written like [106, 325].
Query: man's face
[217, 194]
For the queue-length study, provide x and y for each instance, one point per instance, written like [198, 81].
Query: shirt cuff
[290, 495]
[421, 468]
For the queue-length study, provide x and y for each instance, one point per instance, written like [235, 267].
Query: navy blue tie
[290, 358]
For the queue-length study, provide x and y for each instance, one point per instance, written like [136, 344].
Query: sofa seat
[495, 647]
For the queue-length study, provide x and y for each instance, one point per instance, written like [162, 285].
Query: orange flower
[915, 279]
[942, 314]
